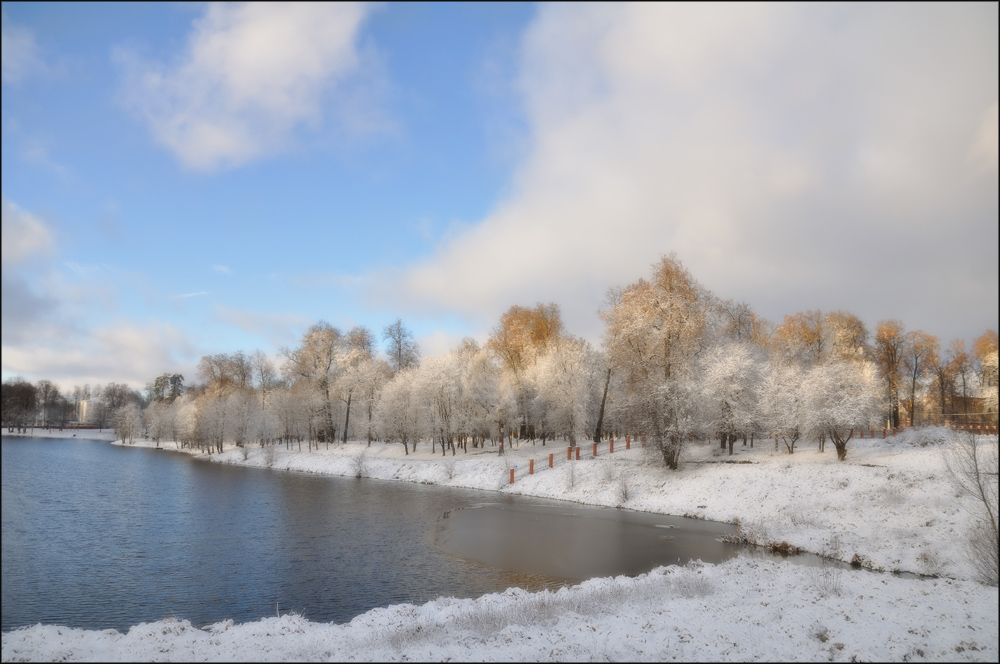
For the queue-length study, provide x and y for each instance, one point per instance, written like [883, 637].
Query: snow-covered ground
[891, 504]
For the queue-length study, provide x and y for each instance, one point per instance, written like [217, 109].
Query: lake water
[97, 536]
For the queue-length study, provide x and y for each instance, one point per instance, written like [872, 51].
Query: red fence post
[531, 466]
[894, 431]
[628, 442]
[612, 450]
[595, 449]
[511, 475]
[577, 452]
[550, 461]
[883, 433]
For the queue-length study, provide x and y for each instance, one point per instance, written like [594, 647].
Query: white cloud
[19, 53]
[223, 269]
[250, 77]
[123, 352]
[199, 293]
[24, 234]
[792, 156]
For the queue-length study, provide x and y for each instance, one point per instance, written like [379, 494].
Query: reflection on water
[573, 542]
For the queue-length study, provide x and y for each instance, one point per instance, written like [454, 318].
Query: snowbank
[742, 609]
[82, 434]
[891, 504]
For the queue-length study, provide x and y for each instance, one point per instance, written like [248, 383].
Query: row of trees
[676, 364]
[42, 403]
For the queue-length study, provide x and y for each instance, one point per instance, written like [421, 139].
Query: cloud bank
[794, 156]
[251, 76]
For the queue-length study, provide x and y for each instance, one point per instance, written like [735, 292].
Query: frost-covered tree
[919, 354]
[357, 349]
[185, 419]
[242, 410]
[265, 375]
[849, 336]
[652, 332]
[804, 338]
[782, 402]
[488, 403]
[841, 397]
[293, 407]
[403, 352]
[890, 342]
[127, 421]
[731, 377]
[437, 386]
[564, 388]
[212, 422]
[370, 375]
[517, 341]
[961, 367]
[397, 415]
[158, 418]
[315, 361]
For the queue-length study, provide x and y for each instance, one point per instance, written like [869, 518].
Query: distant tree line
[676, 364]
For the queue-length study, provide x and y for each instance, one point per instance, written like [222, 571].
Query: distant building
[89, 411]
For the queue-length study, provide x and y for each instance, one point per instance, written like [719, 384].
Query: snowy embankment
[742, 609]
[891, 504]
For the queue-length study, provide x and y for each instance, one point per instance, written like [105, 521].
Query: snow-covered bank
[82, 434]
[743, 609]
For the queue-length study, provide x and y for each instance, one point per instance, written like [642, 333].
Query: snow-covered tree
[563, 388]
[403, 352]
[782, 402]
[397, 416]
[731, 377]
[315, 361]
[841, 397]
[127, 421]
[158, 418]
[652, 331]
[437, 386]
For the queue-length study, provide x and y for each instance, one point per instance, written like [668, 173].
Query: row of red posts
[569, 455]
[978, 428]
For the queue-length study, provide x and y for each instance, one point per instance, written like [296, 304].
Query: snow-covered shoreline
[891, 504]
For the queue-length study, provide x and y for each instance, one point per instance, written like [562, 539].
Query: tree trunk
[347, 419]
[600, 414]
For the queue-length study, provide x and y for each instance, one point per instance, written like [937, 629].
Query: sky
[186, 179]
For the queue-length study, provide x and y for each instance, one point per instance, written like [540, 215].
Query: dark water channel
[96, 536]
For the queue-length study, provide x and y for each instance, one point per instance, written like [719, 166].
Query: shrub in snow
[972, 464]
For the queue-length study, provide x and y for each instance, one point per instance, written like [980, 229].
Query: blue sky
[183, 179]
